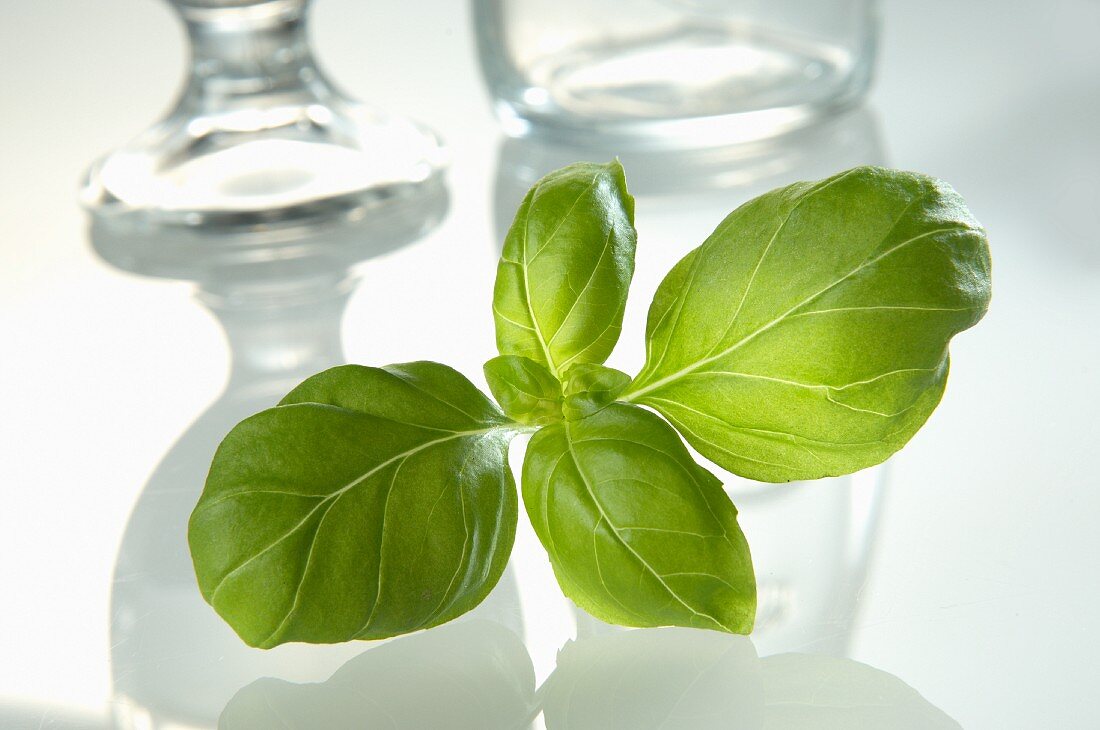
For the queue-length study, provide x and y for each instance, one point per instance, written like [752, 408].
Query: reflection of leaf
[812, 692]
[654, 678]
[689, 680]
[714, 8]
[470, 675]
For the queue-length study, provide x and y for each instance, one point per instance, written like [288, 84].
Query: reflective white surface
[956, 584]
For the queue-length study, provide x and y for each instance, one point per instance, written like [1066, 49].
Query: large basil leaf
[638, 533]
[807, 336]
[471, 674]
[566, 266]
[370, 503]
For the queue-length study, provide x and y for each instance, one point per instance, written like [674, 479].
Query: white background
[982, 588]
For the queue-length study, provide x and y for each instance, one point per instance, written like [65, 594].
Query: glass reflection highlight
[715, 178]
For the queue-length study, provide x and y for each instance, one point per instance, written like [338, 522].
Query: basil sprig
[806, 337]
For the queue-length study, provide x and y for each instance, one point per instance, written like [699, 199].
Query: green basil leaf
[524, 389]
[807, 336]
[371, 503]
[638, 533]
[471, 674]
[589, 387]
[566, 266]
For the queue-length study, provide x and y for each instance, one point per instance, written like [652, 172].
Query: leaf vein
[624, 543]
[898, 308]
[412, 384]
[305, 573]
[587, 284]
[381, 549]
[782, 317]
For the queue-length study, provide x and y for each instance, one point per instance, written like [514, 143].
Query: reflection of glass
[280, 296]
[716, 179]
[811, 543]
[477, 676]
[673, 73]
[259, 134]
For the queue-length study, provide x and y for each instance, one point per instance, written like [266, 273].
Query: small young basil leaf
[566, 266]
[638, 533]
[807, 336]
[372, 502]
[590, 387]
[525, 389]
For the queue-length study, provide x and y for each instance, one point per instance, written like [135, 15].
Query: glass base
[689, 87]
[262, 166]
[249, 257]
[259, 135]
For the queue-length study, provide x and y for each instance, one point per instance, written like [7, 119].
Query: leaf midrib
[718, 232]
[543, 343]
[615, 531]
[634, 396]
[336, 495]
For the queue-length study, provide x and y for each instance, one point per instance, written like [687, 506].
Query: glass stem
[240, 55]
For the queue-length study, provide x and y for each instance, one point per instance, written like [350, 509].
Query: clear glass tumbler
[673, 72]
